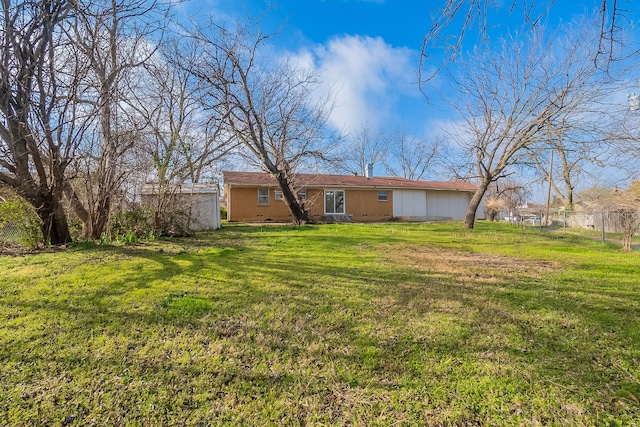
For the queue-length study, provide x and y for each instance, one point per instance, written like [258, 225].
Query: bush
[19, 222]
[172, 220]
[130, 226]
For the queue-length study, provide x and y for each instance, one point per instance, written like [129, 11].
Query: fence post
[602, 220]
[546, 220]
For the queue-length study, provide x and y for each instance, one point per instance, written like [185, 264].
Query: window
[302, 195]
[263, 196]
[334, 202]
[383, 196]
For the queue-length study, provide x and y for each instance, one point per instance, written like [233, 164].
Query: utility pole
[546, 218]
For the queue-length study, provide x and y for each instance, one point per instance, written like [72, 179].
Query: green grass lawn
[391, 324]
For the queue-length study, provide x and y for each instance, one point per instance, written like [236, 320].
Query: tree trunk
[569, 197]
[470, 217]
[300, 215]
[629, 222]
[101, 218]
[492, 214]
[55, 228]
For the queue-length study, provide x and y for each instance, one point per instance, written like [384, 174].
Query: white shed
[200, 201]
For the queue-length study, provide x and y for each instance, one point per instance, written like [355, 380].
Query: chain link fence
[18, 235]
[611, 220]
[10, 233]
[19, 224]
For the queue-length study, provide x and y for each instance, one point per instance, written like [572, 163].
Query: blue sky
[368, 51]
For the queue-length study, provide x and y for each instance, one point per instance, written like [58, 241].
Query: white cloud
[366, 77]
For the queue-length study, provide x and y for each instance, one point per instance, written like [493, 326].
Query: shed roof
[184, 188]
[347, 181]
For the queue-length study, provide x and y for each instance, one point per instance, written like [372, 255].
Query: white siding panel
[434, 207]
[409, 203]
[451, 204]
[203, 209]
[459, 205]
[432, 204]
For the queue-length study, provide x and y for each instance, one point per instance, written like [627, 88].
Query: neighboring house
[199, 203]
[256, 197]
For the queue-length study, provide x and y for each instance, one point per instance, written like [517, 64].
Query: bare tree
[412, 157]
[621, 206]
[505, 194]
[37, 116]
[266, 104]
[568, 152]
[181, 142]
[628, 207]
[509, 95]
[363, 146]
[454, 161]
[114, 38]
[583, 139]
[628, 211]
[596, 194]
[625, 141]
[460, 20]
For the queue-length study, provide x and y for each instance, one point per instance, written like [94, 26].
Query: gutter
[371, 187]
[228, 203]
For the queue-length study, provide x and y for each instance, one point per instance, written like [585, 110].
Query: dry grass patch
[468, 267]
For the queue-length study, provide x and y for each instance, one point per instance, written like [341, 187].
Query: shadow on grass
[261, 322]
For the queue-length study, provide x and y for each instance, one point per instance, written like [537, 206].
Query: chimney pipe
[369, 172]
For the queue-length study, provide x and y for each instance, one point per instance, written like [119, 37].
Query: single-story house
[256, 197]
[200, 203]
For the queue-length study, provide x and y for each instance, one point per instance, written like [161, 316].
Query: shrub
[19, 222]
[130, 226]
[172, 220]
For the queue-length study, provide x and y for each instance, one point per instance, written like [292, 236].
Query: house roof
[348, 181]
[184, 188]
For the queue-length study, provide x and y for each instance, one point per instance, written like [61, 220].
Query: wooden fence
[611, 221]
